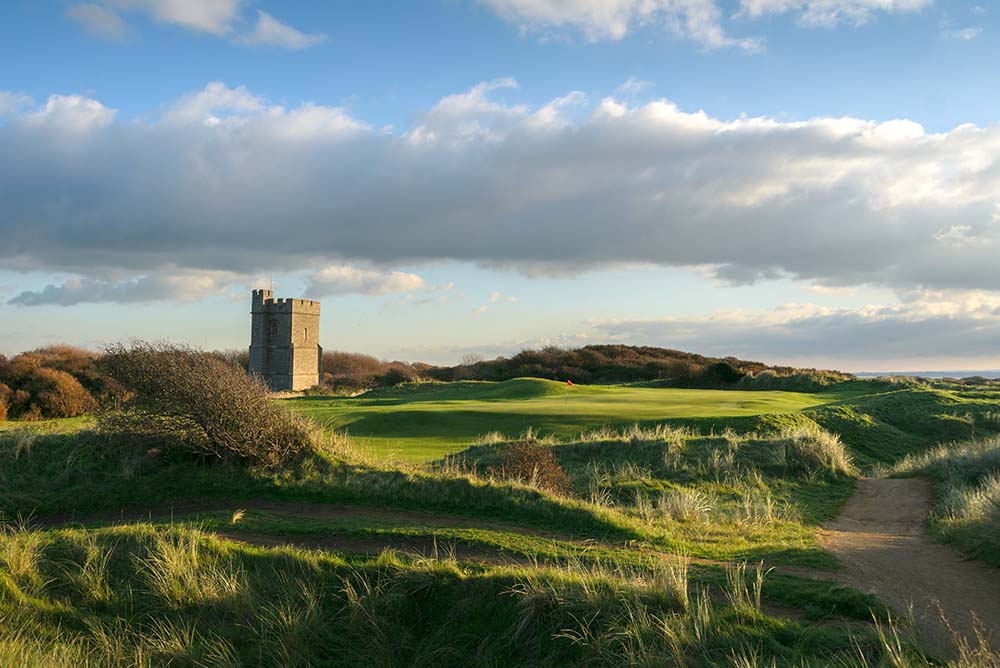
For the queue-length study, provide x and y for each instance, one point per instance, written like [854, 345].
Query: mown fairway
[423, 422]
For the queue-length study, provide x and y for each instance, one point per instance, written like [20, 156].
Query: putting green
[423, 422]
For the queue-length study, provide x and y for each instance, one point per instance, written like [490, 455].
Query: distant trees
[354, 372]
[608, 364]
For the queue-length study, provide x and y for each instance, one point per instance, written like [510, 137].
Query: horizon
[485, 176]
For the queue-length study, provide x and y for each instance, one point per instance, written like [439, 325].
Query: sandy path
[881, 539]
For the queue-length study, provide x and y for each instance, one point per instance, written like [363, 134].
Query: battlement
[263, 301]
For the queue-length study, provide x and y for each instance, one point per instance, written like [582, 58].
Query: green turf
[424, 422]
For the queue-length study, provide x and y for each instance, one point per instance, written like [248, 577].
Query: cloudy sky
[813, 182]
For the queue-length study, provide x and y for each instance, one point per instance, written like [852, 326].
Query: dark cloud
[227, 182]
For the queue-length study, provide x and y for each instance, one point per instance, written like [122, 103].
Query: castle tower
[284, 341]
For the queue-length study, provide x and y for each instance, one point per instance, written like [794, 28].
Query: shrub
[397, 375]
[534, 465]
[239, 359]
[58, 394]
[354, 371]
[193, 399]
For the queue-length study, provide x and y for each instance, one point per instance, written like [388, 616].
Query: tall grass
[298, 609]
[967, 493]
[182, 573]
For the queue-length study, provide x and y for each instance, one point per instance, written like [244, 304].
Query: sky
[806, 182]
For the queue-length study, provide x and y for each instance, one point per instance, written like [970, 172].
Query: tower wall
[284, 341]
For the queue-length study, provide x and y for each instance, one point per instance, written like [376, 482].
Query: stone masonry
[284, 341]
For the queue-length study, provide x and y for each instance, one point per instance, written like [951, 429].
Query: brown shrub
[361, 372]
[33, 414]
[532, 464]
[58, 394]
[192, 399]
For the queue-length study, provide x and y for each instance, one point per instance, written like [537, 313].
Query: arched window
[273, 333]
[305, 334]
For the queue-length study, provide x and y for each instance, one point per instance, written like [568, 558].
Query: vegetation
[142, 595]
[573, 590]
[967, 491]
[180, 398]
[879, 421]
[420, 422]
[556, 525]
[609, 364]
[53, 382]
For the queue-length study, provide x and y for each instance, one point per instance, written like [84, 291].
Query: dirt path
[881, 539]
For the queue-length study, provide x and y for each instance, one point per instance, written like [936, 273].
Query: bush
[60, 380]
[534, 465]
[192, 399]
[58, 394]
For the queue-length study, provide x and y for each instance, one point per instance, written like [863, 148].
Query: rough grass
[967, 494]
[729, 496]
[309, 609]
[590, 583]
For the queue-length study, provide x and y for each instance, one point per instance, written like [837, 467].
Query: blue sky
[477, 176]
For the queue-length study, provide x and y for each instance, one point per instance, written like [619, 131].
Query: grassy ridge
[881, 422]
[426, 421]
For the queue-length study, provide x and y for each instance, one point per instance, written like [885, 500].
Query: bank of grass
[966, 480]
[421, 422]
[142, 595]
[591, 585]
[730, 496]
[753, 515]
[879, 421]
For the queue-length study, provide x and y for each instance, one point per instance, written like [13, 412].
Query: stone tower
[284, 341]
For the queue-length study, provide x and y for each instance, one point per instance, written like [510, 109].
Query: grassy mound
[732, 496]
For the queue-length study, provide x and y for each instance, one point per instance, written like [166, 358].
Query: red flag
[570, 383]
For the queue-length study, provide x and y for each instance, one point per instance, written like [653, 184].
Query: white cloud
[831, 12]
[271, 31]
[500, 298]
[180, 286]
[99, 21]
[963, 34]
[601, 20]
[12, 103]
[72, 112]
[479, 310]
[222, 18]
[342, 279]
[215, 100]
[212, 16]
[227, 181]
